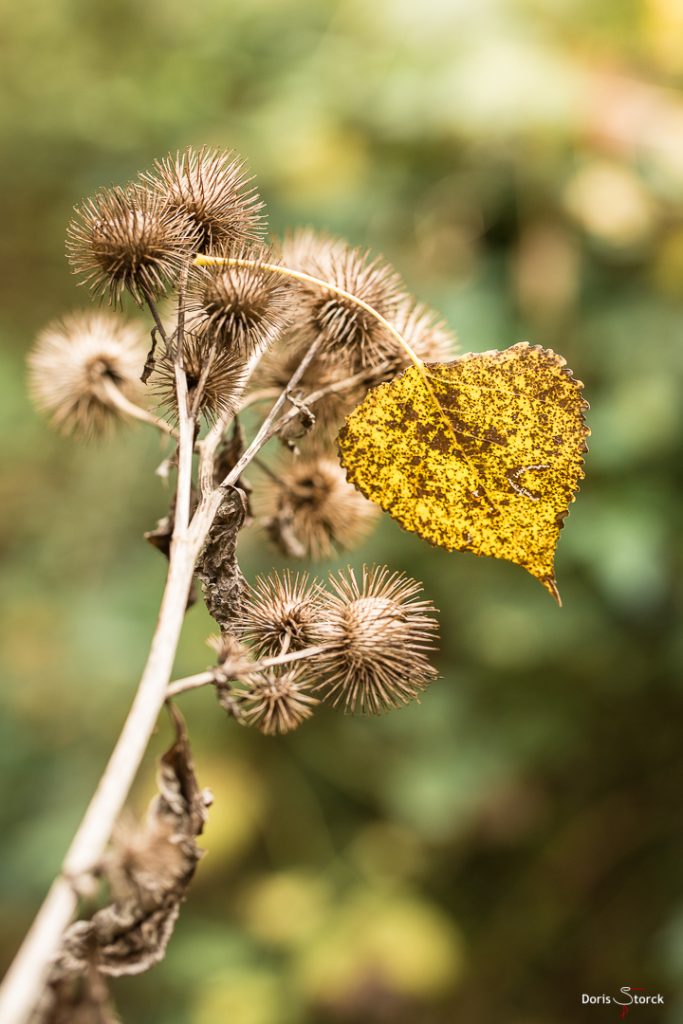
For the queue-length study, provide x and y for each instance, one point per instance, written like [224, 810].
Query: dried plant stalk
[143, 239]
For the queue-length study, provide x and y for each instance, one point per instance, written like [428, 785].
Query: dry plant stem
[213, 675]
[192, 682]
[364, 377]
[213, 496]
[201, 383]
[266, 429]
[27, 976]
[186, 423]
[136, 412]
[208, 445]
[157, 319]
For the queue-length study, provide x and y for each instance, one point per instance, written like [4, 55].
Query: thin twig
[231, 671]
[201, 383]
[347, 384]
[264, 432]
[185, 423]
[116, 397]
[157, 319]
[191, 683]
[208, 445]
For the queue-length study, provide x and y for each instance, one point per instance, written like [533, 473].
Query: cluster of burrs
[308, 317]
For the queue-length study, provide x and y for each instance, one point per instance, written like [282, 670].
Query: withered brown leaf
[148, 870]
[217, 568]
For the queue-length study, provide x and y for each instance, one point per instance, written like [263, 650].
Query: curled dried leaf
[81, 998]
[217, 568]
[149, 871]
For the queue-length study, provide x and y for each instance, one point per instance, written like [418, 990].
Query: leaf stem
[264, 433]
[116, 397]
[319, 282]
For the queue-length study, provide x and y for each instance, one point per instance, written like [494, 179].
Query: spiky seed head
[223, 372]
[277, 612]
[276, 701]
[379, 632]
[243, 308]
[314, 511]
[76, 362]
[126, 239]
[343, 326]
[212, 188]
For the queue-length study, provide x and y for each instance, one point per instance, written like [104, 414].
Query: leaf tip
[550, 584]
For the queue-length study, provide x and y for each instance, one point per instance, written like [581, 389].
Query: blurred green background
[515, 840]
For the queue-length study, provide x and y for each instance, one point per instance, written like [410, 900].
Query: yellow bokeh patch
[481, 454]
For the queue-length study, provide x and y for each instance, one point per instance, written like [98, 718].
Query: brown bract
[212, 188]
[75, 363]
[129, 240]
[378, 632]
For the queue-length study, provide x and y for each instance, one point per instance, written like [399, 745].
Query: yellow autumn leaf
[481, 454]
